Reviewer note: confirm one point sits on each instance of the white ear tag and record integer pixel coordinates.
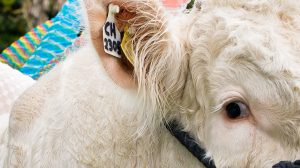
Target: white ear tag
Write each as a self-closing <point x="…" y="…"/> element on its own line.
<point x="111" y="34"/>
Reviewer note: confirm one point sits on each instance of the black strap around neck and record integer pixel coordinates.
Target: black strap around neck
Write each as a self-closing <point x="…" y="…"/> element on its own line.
<point x="186" y="140"/>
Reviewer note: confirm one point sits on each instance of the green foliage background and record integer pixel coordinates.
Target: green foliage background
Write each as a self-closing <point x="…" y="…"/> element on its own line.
<point x="12" y="23"/>
<point x="16" y="17"/>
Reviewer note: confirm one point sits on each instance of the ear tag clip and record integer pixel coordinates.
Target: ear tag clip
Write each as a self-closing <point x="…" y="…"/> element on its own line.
<point x="111" y="34"/>
<point x="126" y="45"/>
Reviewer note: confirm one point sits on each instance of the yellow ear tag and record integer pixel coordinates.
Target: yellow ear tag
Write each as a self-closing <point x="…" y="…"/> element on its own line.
<point x="126" y="45"/>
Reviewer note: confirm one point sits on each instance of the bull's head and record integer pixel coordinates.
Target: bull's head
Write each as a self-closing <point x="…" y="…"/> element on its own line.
<point x="228" y="73"/>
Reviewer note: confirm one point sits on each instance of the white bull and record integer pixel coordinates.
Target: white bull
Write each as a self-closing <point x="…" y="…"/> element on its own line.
<point x="228" y="73"/>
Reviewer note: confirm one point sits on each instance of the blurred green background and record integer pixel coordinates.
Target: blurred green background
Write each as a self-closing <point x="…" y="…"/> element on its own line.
<point x="19" y="16"/>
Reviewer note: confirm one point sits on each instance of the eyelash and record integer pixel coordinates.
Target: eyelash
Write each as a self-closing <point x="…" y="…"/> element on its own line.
<point x="219" y="107"/>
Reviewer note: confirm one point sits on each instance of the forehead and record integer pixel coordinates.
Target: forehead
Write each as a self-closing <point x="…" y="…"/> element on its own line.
<point x="254" y="49"/>
<point x="269" y="39"/>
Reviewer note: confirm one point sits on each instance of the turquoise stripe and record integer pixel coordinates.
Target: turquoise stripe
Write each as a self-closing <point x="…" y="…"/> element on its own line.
<point x="66" y="37"/>
<point x="43" y="56"/>
<point x="66" y="26"/>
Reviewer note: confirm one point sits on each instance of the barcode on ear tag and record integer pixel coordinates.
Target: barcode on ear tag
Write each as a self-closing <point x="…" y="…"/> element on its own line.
<point x="111" y="34"/>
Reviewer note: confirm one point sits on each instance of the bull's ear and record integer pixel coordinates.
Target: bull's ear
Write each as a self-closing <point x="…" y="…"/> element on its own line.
<point x="95" y="19"/>
<point x="154" y="45"/>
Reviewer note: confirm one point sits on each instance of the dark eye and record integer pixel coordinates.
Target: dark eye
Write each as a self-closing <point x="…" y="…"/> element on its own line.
<point x="236" y="110"/>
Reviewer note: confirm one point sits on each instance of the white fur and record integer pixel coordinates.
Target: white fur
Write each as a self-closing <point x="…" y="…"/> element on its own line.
<point x="187" y="68"/>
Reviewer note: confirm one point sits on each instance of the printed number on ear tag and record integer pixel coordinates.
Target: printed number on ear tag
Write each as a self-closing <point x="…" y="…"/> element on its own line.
<point x="111" y="34"/>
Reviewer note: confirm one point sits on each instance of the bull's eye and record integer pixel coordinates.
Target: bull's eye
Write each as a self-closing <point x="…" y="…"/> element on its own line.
<point x="236" y="110"/>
